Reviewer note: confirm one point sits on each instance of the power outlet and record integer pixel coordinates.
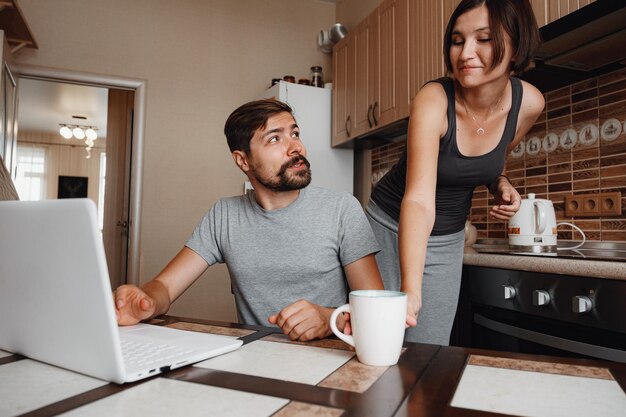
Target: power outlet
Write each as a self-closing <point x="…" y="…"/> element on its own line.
<point x="593" y="205"/>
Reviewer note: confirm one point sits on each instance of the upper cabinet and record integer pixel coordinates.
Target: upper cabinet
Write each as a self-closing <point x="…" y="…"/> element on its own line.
<point x="547" y="11"/>
<point x="16" y="30"/>
<point x="374" y="60"/>
<point x="382" y="63"/>
<point x="427" y="20"/>
<point x="343" y="91"/>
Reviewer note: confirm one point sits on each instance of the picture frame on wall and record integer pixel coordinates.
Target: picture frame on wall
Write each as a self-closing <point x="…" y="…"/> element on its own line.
<point x="72" y="187"/>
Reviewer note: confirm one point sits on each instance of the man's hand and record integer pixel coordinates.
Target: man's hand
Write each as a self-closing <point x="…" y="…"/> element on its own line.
<point x="132" y="305"/>
<point x="304" y="321"/>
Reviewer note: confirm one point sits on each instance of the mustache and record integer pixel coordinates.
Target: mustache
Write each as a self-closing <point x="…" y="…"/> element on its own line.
<point x="296" y="159"/>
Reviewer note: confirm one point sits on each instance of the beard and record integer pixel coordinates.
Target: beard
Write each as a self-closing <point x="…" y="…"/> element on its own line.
<point x="284" y="181"/>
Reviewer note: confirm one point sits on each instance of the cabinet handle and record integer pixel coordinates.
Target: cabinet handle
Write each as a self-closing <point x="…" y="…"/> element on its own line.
<point x="348" y="125"/>
<point x="369" y="115"/>
<point x="374" y="113"/>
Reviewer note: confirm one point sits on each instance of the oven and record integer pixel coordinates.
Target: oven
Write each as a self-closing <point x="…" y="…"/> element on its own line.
<point x="540" y="313"/>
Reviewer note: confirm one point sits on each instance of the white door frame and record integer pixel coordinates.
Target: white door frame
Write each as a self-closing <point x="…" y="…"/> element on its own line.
<point x="136" y="174"/>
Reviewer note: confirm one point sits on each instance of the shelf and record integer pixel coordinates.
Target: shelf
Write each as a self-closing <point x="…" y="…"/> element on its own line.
<point x="16" y="30"/>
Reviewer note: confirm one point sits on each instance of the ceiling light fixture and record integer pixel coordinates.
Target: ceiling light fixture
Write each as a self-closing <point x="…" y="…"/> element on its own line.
<point x="80" y="132"/>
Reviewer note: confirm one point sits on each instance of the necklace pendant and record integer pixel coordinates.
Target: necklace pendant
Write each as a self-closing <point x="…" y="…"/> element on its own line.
<point x="480" y="131"/>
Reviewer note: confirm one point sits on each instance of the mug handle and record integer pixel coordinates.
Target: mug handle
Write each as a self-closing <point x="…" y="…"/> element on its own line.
<point x="333" y="324"/>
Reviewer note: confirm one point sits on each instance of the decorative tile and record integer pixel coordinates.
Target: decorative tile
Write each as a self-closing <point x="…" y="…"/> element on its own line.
<point x="27" y="385"/>
<point x="535" y="389"/>
<point x="536" y="366"/>
<point x="284" y="361"/>
<point x="206" y="328"/>
<point x="298" y="409"/>
<point x="353" y="376"/>
<point x="321" y="343"/>
<point x="163" y="397"/>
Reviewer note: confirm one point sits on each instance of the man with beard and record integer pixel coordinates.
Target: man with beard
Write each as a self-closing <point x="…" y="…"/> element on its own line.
<point x="293" y="250"/>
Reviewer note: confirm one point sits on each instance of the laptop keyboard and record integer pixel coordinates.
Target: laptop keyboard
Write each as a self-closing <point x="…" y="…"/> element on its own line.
<point x="138" y="354"/>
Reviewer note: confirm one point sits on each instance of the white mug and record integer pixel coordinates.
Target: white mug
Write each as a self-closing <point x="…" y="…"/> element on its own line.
<point x="378" y="320"/>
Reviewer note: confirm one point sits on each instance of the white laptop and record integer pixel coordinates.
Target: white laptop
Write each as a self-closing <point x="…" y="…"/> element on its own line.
<point x="56" y="303"/>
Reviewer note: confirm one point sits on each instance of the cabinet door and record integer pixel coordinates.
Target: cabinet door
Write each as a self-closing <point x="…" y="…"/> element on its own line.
<point x="426" y="30"/>
<point x="343" y="91"/>
<point x="366" y="73"/>
<point x="391" y="103"/>
<point x="558" y="8"/>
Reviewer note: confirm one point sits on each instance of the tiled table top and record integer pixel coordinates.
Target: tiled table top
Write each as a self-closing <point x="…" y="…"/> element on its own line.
<point x="273" y="376"/>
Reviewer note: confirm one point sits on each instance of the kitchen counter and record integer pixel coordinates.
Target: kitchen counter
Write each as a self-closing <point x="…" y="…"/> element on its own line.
<point x="273" y="376"/>
<point x="492" y="255"/>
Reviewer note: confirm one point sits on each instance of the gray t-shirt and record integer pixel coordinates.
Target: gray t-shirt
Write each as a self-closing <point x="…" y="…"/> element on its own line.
<point x="276" y="257"/>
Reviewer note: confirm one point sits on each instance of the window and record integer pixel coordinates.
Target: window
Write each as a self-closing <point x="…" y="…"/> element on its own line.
<point x="31" y="168"/>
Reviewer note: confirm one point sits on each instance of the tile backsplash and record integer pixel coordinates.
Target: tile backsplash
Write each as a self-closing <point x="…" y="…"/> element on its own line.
<point x="577" y="146"/>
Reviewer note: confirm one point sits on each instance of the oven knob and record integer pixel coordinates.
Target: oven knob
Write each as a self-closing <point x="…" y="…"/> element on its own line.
<point x="541" y="298"/>
<point x="509" y="292"/>
<point x="581" y="304"/>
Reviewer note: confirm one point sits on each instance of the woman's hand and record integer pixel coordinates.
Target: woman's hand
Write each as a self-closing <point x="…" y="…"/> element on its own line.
<point x="413" y="307"/>
<point x="507" y="199"/>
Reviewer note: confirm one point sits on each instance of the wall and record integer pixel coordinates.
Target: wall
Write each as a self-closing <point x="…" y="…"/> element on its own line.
<point x="583" y="169"/>
<point x="351" y="12"/>
<point x="201" y="59"/>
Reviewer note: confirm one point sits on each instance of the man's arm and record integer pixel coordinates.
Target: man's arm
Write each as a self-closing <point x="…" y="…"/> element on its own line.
<point x="134" y="304"/>
<point x="304" y="320"/>
<point x="363" y="274"/>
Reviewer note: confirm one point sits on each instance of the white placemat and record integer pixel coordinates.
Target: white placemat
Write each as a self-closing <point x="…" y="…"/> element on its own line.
<point x="27" y="385"/>
<point x="4" y="354"/>
<point x="537" y="394"/>
<point x="164" y="397"/>
<point x="286" y="361"/>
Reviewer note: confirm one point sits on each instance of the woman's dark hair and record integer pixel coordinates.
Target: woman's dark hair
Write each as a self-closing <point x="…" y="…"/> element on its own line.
<point x="247" y="119"/>
<point x="513" y="17"/>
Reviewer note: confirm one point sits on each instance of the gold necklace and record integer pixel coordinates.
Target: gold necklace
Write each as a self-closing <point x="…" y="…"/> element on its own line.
<point x="481" y="130"/>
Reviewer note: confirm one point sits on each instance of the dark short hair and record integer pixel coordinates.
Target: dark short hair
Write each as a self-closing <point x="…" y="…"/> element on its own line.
<point x="513" y="17"/>
<point x="248" y="118"/>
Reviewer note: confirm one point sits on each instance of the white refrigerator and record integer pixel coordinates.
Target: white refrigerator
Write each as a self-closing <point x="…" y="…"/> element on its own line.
<point x="330" y="167"/>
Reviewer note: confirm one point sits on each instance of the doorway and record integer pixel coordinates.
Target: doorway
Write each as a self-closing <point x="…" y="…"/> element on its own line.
<point x="119" y="162"/>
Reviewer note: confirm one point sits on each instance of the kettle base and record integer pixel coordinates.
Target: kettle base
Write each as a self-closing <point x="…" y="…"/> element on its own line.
<point x="533" y="248"/>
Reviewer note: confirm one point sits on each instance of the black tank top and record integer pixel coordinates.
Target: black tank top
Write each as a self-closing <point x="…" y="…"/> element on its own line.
<point x="457" y="175"/>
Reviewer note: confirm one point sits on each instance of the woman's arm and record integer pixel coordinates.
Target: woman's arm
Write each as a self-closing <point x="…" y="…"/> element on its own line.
<point x="427" y="124"/>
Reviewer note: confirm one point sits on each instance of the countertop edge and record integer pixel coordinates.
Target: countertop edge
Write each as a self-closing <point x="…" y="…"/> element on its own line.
<point x="577" y="267"/>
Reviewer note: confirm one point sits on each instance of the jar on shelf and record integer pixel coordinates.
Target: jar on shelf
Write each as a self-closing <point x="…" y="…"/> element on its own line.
<point x="317" y="77"/>
<point x="289" y="78"/>
<point x="304" y="81"/>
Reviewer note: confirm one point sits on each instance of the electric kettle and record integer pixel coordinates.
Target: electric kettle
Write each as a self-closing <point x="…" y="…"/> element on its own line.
<point x="533" y="227"/>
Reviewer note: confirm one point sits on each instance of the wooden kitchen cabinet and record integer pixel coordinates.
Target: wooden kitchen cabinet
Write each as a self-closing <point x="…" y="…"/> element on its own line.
<point x="380" y="66"/>
<point x="343" y="91"/>
<point x="366" y="73"/>
<point x="392" y="101"/>
<point x="370" y="68"/>
<point x="381" y="48"/>
<point x="547" y="11"/>
<point x="427" y="21"/>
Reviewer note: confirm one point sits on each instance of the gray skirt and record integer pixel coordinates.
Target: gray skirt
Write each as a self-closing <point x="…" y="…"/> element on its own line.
<point x="441" y="282"/>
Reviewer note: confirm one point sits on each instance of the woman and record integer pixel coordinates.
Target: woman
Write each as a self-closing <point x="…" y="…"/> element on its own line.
<point x="461" y="129"/>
